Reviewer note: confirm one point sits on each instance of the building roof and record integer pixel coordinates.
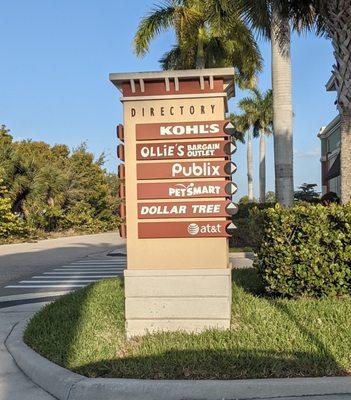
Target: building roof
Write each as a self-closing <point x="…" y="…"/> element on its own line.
<point x="326" y="131"/>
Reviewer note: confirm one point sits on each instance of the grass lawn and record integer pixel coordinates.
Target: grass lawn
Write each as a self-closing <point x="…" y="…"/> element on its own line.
<point x="84" y="331"/>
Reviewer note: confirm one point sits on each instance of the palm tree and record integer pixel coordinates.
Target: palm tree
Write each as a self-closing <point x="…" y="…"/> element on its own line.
<point x="260" y="106"/>
<point x="207" y="34"/>
<point x="243" y="125"/>
<point x="333" y="18"/>
<point x="270" y="18"/>
<point x="257" y="116"/>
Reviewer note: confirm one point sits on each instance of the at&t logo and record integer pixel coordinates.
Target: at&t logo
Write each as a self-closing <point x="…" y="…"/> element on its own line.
<point x="193" y="229"/>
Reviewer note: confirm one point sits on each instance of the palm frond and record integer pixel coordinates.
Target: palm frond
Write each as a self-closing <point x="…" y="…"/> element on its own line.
<point x="159" y="19"/>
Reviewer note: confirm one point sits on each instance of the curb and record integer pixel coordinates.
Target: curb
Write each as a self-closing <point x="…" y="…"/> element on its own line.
<point x="66" y="385"/>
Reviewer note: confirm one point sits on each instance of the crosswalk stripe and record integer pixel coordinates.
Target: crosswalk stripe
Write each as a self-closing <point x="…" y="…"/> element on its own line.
<point x="77" y="276"/>
<point x="88" y="264"/>
<point x="77" y="272"/>
<point x="88" y="270"/>
<point x="92" y="266"/>
<point x="42" y="286"/>
<point x="62" y="281"/>
<point x="100" y="262"/>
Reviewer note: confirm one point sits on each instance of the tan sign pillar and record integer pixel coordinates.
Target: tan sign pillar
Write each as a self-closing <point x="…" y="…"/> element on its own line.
<point x="177" y="168"/>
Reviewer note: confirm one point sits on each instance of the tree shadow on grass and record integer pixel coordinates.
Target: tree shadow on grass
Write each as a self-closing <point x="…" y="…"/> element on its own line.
<point x="215" y="364"/>
<point x="213" y="355"/>
<point x="249" y="280"/>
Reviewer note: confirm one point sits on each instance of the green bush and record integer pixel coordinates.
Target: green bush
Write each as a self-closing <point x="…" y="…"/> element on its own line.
<point x="306" y="250"/>
<point x="10" y="224"/>
<point x="249" y="223"/>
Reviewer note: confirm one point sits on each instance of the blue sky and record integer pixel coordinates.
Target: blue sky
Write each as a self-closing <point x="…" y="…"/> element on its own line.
<point x="55" y="61"/>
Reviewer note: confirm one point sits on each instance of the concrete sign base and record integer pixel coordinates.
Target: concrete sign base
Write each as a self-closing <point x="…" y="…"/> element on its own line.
<point x="181" y="299"/>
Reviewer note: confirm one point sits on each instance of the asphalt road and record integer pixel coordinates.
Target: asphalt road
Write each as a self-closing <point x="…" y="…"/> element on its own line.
<point x="20" y="262"/>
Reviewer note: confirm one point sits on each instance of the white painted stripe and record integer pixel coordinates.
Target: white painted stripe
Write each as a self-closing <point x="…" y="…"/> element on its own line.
<point x="69" y="276"/>
<point x="76" y="276"/>
<point x="28" y="296"/>
<point x="89" y="270"/>
<point x="62" y="281"/>
<point x="77" y="272"/>
<point x="99" y="262"/>
<point x="93" y="266"/>
<point x="94" y="261"/>
<point x="42" y="286"/>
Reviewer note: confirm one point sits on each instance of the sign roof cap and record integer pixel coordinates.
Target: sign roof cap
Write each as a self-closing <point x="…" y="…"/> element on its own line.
<point x="227" y="74"/>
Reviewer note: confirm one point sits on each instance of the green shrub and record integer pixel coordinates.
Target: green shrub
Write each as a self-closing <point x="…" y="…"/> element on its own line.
<point x="81" y="217"/>
<point x="10" y="224"/>
<point x="306" y="250"/>
<point x="249" y="223"/>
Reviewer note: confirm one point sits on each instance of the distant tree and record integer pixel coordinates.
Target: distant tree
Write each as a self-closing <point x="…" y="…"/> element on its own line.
<point x="330" y="197"/>
<point x="51" y="187"/>
<point x="245" y="200"/>
<point x="10" y="224"/>
<point x="5" y="132"/>
<point x="270" y="197"/>
<point x="307" y="193"/>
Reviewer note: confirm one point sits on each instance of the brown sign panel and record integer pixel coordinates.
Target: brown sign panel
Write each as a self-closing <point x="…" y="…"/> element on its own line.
<point x="122" y="231"/>
<point x="120" y="132"/>
<point x="199" y="149"/>
<point x="181" y="130"/>
<point x="121" y="171"/>
<point x="186" y="190"/>
<point x="120" y="152"/>
<point x="122" y="191"/>
<point x="204" y="209"/>
<point x="122" y="210"/>
<point x="186" y="229"/>
<point x="176" y="170"/>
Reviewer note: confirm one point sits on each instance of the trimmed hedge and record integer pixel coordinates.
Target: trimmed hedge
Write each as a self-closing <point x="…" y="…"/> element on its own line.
<point x="306" y="250"/>
<point x="249" y="223"/>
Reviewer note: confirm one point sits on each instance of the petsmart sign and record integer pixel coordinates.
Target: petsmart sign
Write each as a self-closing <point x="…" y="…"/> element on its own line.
<point x="186" y="189"/>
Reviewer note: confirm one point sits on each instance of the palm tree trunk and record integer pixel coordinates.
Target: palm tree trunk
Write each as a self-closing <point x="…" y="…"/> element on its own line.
<point x="200" y="56"/>
<point x="339" y="29"/>
<point x="249" y="168"/>
<point x="262" y="167"/>
<point x="282" y="110"/>
<point x="345" y="158"/>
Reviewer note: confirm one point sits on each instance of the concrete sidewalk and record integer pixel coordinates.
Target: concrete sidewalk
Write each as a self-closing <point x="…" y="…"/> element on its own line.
<point x="14" y="385"/>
